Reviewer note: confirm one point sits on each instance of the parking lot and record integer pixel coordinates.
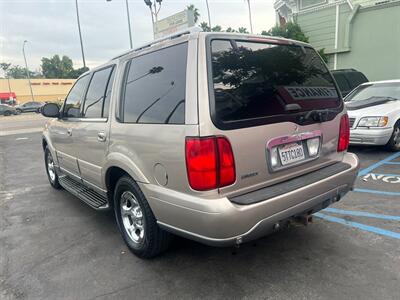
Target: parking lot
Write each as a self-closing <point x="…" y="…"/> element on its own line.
<point x="54" y="246"/>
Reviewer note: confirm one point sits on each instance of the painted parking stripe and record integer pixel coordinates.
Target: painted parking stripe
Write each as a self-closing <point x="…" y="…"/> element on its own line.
<point x="360" y="226"/>
<point x="361" y="214"/>
<point x="378" y="164"/>
<point x="377" y="192"/>
<point x="392" y="163"/>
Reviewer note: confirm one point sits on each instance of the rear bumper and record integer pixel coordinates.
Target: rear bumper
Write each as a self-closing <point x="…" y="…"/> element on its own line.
<point x="220" y="222"/>
<point x="370" y="136"/>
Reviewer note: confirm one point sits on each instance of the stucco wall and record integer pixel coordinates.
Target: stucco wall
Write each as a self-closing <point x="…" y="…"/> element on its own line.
<point x="43" y="89"/>
<point x="375" y="43"/>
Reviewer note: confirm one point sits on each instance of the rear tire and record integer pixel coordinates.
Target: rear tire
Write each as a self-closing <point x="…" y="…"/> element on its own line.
<point x="394" y="142"/>
<point x="50" y="169"/>
<point x="19" y="111"/>
<point x="136" y="221"/>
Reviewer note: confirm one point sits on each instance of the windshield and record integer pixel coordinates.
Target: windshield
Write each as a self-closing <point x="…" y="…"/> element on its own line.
<point x="385" y="91"/>
<point x="255" y="83"/>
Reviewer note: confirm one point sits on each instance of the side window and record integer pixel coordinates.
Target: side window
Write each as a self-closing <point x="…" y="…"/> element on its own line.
<point x="72" y="105"/>
<point x="155" y="87"/>
<point x="106" y="105"/>
<point x="342" y="82"/>
<point x="95" y="95"/>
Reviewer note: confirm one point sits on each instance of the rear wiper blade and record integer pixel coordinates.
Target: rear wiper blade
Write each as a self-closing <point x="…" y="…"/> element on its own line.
<point x="317" y="115"/>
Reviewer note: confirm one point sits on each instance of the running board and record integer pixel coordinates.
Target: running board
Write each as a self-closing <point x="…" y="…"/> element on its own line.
<point x="86" y="194"/>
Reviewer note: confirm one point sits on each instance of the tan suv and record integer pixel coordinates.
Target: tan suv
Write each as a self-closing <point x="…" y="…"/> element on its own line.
<point x="220" y="138"/>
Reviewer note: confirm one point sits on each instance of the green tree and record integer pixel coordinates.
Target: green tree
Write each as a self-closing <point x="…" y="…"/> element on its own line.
<point x="290" y="30"/>
<point x="242" y="30"/>
<point x="293" y="31"/>
<point x="5" y="66"/>
<point x="195" y="12"/>
<point x="216" y="28"/>
<point x="205" y="27"/>
<point x="230" y="29"/>
<point x="54" y="67"/>
<point x="18" y="72"/>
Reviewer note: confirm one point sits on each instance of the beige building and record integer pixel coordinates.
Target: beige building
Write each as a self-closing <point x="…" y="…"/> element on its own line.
<point x="43" y="89"/>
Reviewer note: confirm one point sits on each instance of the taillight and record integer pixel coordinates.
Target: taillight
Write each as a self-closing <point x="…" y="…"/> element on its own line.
<point x="210" y="163"/>
<point x="344" y="133"/>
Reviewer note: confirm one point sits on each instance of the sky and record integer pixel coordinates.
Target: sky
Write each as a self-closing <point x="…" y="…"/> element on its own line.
<point x="50" y="26"/>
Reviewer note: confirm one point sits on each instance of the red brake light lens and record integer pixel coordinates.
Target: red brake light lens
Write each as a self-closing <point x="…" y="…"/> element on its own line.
<point x="344" y="134"/>
<point x="227" y="174"/>
<point x="201" y="163"/>
<point x="210" y="163"/>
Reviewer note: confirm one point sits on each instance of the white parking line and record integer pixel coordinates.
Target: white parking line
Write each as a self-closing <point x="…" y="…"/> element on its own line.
<point x="21" y="131"/>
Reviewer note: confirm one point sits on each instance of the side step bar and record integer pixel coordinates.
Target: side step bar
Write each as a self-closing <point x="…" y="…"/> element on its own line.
<point x="87" y="195"/>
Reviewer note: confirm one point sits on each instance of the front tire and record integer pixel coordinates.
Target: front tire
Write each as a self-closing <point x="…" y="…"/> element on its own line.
<point x="7" y="113"/>
<point x="136" y="221"/>
<point x="394" y="142"/>
<point x="51" y="170"/>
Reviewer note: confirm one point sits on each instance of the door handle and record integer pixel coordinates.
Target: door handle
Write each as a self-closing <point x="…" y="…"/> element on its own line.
<point x="69" y="131"/>
<point x="101" y="136"/>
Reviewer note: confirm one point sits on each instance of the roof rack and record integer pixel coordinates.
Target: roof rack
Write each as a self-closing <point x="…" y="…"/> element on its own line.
<point x="165" y="38"/>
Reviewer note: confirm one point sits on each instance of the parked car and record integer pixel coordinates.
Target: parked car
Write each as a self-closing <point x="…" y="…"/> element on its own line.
<point x="7" y="110"/>
<point x="374" y="112"/>
<point x="348" y="79"/>
<point x="221" y="138"/>
<point x="29" y="107"/>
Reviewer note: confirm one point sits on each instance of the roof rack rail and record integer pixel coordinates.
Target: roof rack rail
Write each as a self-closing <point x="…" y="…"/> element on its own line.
<point x="165" y="38"/>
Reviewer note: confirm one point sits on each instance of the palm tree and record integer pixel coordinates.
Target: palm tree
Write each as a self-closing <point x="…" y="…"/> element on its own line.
<point x="195" y="12"/>
<point x="205" y="26"/>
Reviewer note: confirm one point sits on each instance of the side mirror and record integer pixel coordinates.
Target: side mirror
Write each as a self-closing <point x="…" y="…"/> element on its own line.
<point x="50" y="110"/>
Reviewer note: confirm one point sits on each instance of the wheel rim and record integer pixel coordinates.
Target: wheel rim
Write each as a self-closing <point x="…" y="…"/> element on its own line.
<point x="132" y="217"/>
<point x="396" y="137"/>
<point x="50" y="167"/>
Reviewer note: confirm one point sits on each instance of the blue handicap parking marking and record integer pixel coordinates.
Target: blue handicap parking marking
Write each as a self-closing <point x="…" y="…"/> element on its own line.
<point x="360" y="226"/>
<point x="361" y="214"/>
<point x="378" y="164"/>
<point x="390" y="175"/>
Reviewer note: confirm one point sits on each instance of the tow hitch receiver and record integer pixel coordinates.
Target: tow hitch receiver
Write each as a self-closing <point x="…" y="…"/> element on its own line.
<point x="303" y="219"/>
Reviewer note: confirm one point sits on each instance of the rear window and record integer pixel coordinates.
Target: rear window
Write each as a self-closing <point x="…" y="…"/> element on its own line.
<point x="342" y="82"/>
<point x="356" y="78"/>
<point x="257" y="83"/>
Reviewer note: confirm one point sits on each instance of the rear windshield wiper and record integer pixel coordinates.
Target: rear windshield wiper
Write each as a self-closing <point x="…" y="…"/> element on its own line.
<point x="317" y="115"/>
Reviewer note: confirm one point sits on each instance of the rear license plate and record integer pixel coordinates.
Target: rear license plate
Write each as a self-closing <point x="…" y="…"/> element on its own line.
<point x="291" y="153"/>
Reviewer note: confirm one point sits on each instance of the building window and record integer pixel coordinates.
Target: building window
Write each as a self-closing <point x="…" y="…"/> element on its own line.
<point x="304" y="4"/>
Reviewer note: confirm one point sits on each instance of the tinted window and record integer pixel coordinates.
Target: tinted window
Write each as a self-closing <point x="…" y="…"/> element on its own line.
<point x="356" y="78"/>
<point x="96" y="93"/>
<point x="155" y="87"/>
<point x="342" y="82"/>
<point x="72" y="105"/>
<point x="260" y="83"/>
<point x="106" y="104"/>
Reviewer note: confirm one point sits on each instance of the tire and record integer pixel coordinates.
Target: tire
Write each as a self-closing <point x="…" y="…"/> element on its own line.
<point x="137" y="225"/>
<point x="50" y="169"/>
<point x="19" y="111"/>
<point x="7" y="113"/>
<point x="394" y="142"/>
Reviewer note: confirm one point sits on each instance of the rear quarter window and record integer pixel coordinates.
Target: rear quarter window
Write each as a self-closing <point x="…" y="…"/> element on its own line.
<point x="155" y="86"/>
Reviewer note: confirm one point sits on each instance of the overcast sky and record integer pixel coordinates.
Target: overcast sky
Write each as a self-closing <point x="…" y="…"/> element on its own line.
<point x="50" y="26"/>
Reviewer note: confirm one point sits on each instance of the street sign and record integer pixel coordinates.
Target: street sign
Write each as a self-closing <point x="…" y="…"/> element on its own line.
<point x="174" y="23"/>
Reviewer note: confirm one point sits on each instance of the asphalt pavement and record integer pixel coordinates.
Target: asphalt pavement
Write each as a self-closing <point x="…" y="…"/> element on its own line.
<point x="53" y="246"/>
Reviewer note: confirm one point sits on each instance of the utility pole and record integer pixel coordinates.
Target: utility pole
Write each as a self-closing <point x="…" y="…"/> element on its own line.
<point x="129" y="22"/>
<point x="251" y="22"/>
<point x="208" y="12"/>
<point x="27" y="70"/>
<point x="80" y="33"/>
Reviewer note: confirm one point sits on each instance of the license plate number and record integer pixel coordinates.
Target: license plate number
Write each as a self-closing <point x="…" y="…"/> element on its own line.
<point x="291" y="153"/>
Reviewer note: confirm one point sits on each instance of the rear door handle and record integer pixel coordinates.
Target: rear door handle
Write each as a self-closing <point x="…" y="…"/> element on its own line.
<point x="69" y="131"/>
<point x="101" y="136"/>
